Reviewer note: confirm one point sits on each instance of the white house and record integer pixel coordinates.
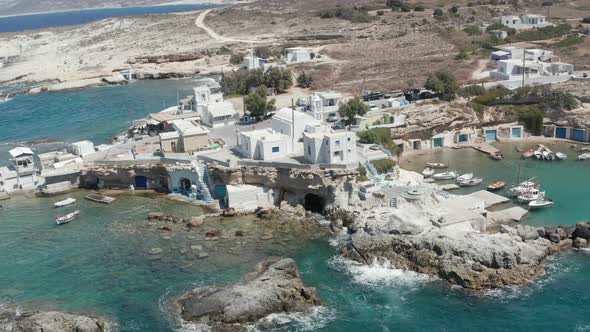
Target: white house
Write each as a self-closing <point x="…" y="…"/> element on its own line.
<point x="528" y="21"/>
<point x="219" y="114"/>
<point x="264" y="144"/>
<point x="513" y="69"/>
<point x="292" y="123"/>
<point x="21" y="174"/>
<point x="253" y="62"/>
<point x="82" y="148"/>
<point x="330" y="147"/>
<point x="324" y="105"/>
<point x="297" y="55"/>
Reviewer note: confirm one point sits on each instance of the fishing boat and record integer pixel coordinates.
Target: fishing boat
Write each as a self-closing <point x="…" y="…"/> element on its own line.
<point x="67" y="218"/>
<point x="560" y="155"/>
<point x="496" y="186"/>
<point x="584" y="156"/>
<point x="540" y="203"/>
<point x="465" y="177"/>
<point x="65" y="202"/>
<point x="522" y="187"/>
<point x="428" y="172"/>
<point x="437" y="165"/>
<point x="470" y="182"/>
<point x="538" y="155"/>
<point x="531" y="195"/>
<point x="497" y="156"/>
<point x="528" y="154"/>
<point x="449" y="175"/>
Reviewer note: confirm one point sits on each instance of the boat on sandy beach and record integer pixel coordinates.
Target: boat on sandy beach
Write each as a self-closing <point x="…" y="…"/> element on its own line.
<point x="496" y="186"/>
<point x="428" y="172"/>
<point x="470" y="182"/>
<point x="560" y="155"/>
<point x="449" y="175"/>
<point x="540" y="203"/>
<point x="65" y="202"/>
<point x="437" y="165"/>
<point x="60" y="220"/>
<point x="497" y="156"/>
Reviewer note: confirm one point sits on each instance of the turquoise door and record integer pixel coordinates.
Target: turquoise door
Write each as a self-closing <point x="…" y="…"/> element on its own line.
<point x="517" y="132"/>
<point x="437" y="142"/>
<point x="491" y="135"/>
<point x="463" y="138"/>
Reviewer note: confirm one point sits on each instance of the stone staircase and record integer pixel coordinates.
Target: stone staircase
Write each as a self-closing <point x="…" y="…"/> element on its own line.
<point x="202" y="172"/>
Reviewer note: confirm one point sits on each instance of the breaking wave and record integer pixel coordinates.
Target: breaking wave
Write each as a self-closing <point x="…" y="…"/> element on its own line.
<point x="379" y="273"/>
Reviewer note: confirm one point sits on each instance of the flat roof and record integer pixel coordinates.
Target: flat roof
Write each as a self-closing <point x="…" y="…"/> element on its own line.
<point x="187" y="127"/>
<point x="221" y="109"/>
<point x="169" y="135"/>
<point x="17" y="152"/>
<point x="288" y="114"/>
<point x="500" y="53"/>
<point x="266" y="135"/>
<point x="165" y="117"/>
<point x="329" y="94"/>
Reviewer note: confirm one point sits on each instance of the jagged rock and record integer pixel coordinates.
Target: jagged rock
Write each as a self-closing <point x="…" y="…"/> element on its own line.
<point x="274" y="287"/>
<point x="554" y="237"/>
<point x="52" y="321"/>
<point x="580" y="243"/>
<point x="569" y="230"/>
<point x="541" y="232"/>
<point x="562" y="233"/>
<point x="582" y="231"/>
<point x="530" y="235"/>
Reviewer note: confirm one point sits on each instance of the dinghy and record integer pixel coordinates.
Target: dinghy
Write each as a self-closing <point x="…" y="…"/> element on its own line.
<point x="496" y="186"/>
<point x="540" y="203"/>
<point x="528" y="154"/>
<point x="561" y="156"/>
<point x="428" y="172"/>
<point x="445" y="175"/>
<point x="60" y="220"/>
<point x="470" y="182"/>
<point x="584" y="156"/>
<point x="65" y="202"/>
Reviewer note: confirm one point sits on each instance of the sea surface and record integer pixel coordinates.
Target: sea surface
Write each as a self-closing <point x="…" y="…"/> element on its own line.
<point x="58" y="19"/>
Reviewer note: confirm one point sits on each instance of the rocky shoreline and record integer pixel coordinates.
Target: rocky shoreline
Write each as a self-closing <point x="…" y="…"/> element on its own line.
<point x="52" y="321"/>
<point x="273" y="287"/>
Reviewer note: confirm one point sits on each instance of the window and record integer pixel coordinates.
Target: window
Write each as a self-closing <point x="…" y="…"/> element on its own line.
<point x="275" y="149"/>
<point x="336" y="154"/>
<point x="309" y="150"/>
<point x="327" y="143"/>
<point x="337" y="142"/>
<point x="349" y="139"/>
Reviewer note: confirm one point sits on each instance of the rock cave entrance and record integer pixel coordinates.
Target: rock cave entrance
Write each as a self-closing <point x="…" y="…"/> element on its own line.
<point x="314" y="203"/>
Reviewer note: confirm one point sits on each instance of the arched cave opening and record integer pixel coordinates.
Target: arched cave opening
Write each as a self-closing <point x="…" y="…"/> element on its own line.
<point x="314" y="203"/>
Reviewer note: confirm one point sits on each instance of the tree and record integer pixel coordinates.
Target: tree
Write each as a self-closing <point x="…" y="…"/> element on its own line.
<point x="558" y="101"/>
<point x="236" y="58"/>
<point x="257" y="104"/>
<point x="454" y="10"/>
<point x="438" y="12"/>
<point x="278" y="78"/>
<point x="419" y="8"/>
<point x="304" y="80"/>
<point x="444" y="83"/>
<point x="351" y="108"/>
<point x="586" y="20"/>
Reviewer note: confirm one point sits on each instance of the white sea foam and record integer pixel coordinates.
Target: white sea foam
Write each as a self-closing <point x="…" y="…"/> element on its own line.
<point x="379" y="273"/>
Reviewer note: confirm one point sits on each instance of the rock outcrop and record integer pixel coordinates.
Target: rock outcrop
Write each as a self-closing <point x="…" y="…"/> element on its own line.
<point x="52" y="321"/>
<point x="273" y="287"/>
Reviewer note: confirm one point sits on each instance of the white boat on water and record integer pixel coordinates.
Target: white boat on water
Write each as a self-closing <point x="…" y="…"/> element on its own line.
<point x="470" y="183"/>
<point x="560" y="155"/>
<point x="465" y="177"/>
<point x="449" y="175"/>
<point x="538" y="155"/>
<point x="584" y="156"/>
<point x="65" y="202"/>
<point x="60" y="220"/>
<point x="548" y="155"/>
<point x="540" y="203"/>
<point x="531" y="195"/>
<point x="522" y="187"/>
<point x="437" y="165"/>
<point x="428" y="172"/>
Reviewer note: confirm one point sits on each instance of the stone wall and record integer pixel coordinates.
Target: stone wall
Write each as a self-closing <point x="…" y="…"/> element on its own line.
<point x="122" y="177"/>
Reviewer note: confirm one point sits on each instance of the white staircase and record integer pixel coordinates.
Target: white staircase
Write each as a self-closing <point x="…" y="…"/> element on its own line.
<point x="201" y="171"/>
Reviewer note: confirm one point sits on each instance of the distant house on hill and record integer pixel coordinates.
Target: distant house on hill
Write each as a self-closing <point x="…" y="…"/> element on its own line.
<point x="524" y="22"/>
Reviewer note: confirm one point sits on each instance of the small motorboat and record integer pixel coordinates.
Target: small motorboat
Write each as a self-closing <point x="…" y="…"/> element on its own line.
<point x="60" y="220"/>
<point x="445" y="175"/>
<point x="470" y="182"/>
<point x="497" y="156"/>
<point x="65" y="202"/>
<point x="548" y="155"/>
<point x="538" y="155"/>
<point x="522" y="187"/>
<point x="584" y="156"/>
<point x="530" y="196"/>
<point x="496" y="186"/>
<point x="437" y="165"/>
<point x="428" y="172"/>
<point x="528" y="154"/>
<point x="465" y="177"/>
<point x="540" y="203"/>
<point x="560" y="155"/>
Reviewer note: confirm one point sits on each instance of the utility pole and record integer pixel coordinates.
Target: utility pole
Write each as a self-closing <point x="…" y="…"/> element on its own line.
<point x="523" y="65"/>
<point x="292" y="125"/>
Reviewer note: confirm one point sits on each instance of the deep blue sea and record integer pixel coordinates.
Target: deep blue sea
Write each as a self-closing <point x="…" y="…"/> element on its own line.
<point x="41" y="21"/>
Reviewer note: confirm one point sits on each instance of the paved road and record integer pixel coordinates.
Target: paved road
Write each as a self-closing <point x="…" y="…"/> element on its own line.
<point x="200" y="23"/>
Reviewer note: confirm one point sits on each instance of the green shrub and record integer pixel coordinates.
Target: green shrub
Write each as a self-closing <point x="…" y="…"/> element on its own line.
<point x="472" y="91"/>
<point x="569" y="41"/>
<point x="438" y="12"/>
<point x="542" y="33"/>
<point x="236" y="58"/>
<point x="586" y="20"/>
<point x="558" y="101"/>
<point x="472" y="30"/>
<point x="384" y="165"/>
<point x="362" y="177"/>
<point x="419" y="8"/>
<point x="532" y="118"/>
<point x="381" y="136"/>
<point x="444" y="83"/>
<point x="241" y="81"/>
<point x="462" y="56"/>
<point x="353" y="14"/>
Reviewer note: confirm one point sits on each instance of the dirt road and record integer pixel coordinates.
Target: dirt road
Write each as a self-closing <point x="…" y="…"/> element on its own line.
<point x="200" y="23"/>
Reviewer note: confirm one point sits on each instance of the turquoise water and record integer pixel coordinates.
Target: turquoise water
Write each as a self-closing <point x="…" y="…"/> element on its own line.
<point x="566" y="182"/>
<point x="41" y="21"/>
<point x="96" y="114"/>
<point x="99" y="264"/>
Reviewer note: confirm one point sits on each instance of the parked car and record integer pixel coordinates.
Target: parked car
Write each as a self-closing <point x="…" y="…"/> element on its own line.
<point x="332" y="117"/>
<point x="339" y="125"/>
<point x="374" y="95"/>
<point x="301" y="102"/>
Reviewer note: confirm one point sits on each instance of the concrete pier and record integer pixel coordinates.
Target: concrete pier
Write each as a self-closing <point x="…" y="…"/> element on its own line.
<point x="489" y="198"/>
<point x="485" y="148"/>
<point x="515" y="213"/>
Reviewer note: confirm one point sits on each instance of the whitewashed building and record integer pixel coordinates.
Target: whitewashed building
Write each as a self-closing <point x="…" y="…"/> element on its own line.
<point x="292" y="123"/>
<point x="264" y="144"/>
<point x="324" y="105"/>
<point x="82" y="148"/>
<point x="219" y="114"/>
<point x="22" y="173"/>
<point x="330" y="147"/>
<point x="297" y="55"/>
<point x="524" y="22"/>
<point x="251" y="62"/>
<point x="513" y="69"/>
<point x="188" y="136"/>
